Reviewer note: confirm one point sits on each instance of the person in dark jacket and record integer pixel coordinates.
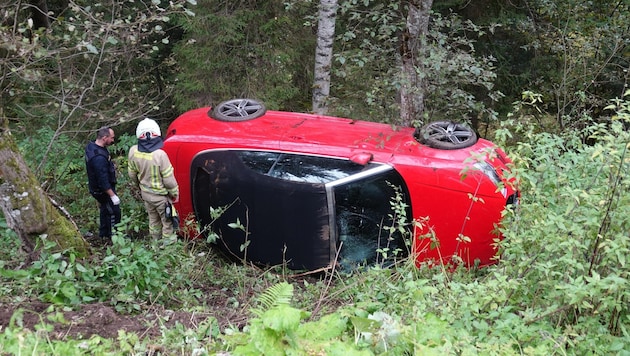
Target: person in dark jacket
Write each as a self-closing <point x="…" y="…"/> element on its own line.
<point x="102" y="180"/>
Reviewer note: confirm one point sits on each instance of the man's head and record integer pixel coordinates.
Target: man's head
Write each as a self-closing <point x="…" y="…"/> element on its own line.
<point x="148" y="129"/>
<point x="105" y="136"/>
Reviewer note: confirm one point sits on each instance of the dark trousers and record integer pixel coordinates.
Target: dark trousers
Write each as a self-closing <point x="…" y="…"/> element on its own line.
<point x="109" y="215"/>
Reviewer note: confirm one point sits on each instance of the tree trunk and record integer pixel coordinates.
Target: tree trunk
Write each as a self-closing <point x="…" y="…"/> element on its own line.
<point x="39" y="14"/>
<point x="323" y="55"/>
<point x="26" y="207"/>
<point x="412" y="86"/>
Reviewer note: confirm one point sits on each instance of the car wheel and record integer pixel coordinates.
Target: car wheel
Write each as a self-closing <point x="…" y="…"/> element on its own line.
<point x="238" y="110"/>
<point x="446" y="135"/>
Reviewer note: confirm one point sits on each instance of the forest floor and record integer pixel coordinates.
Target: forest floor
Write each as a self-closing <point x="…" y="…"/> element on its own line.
<point x="86" y="320"/>
<point x="103" y="320"/>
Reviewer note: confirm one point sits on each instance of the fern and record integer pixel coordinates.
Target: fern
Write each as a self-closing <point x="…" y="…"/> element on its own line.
<point x="276" y="295"/>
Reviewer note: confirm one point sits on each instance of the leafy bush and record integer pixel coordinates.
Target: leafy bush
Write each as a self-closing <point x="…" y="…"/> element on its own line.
<point x="138" y="273"/>
<point x="571" y="232"/>
<point x="566" y="247"/>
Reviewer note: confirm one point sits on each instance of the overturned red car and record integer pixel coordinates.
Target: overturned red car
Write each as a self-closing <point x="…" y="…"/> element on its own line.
<point x="312" y="192"/>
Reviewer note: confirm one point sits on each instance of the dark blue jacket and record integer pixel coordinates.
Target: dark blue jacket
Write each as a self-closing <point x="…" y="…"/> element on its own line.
<point x="100" y="169"/>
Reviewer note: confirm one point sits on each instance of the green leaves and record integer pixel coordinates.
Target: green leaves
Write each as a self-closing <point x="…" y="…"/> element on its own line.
<point x="570" y="234"/>
<point x="279" y="294"/>
<point x="280" y="330"/>
<point x="130" y="275"/>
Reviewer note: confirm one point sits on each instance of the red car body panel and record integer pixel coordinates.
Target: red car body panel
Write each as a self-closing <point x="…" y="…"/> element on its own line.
<point x="443" y="184"/>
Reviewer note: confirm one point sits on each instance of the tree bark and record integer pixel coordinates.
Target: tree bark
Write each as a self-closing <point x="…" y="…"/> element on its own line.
<point x="323" y="55"/>
<point x="412" y="85"/>
<point x="26" y="207"/>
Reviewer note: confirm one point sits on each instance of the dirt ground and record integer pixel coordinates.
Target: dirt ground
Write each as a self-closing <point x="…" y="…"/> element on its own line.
<point x="101" y="319"/>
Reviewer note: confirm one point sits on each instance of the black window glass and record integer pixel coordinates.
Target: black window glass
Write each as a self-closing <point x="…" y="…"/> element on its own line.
<point x="299" y="168"/>
<point x="284" y="222"/>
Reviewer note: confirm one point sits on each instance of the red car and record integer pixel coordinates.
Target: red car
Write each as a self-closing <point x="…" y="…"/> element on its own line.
<point x="310" y="191"/>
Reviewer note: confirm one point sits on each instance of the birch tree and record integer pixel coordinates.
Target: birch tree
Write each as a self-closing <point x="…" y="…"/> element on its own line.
<point x="323" y="55"/>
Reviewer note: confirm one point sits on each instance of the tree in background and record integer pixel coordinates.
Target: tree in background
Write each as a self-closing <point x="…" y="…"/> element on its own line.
<point x="95" y="64"/>
<point x="412" y="85"/>
<point x="389" y="69"/>
<point x="572" y="54"/>
<point x="479" y="58"/>
<point x="248" y="49"/>
<point x="323" y="55"/>
<point x="581" y="57"/>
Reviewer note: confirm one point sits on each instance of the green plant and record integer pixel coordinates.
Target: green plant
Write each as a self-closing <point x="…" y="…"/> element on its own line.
<point x="583" y="195"/>
<point x="138" y="273"/>
<point x="238" y="225"/>
<point x="53" y="277"/>
<point x="567" y="243"/>
<point x="131" y="273"/>
<point x="400" y="225"/>
<point x="13" y="256"/>
<point x="277" y="329"/>
<point x="15" y="340"/>
<point x="199" y="341"/>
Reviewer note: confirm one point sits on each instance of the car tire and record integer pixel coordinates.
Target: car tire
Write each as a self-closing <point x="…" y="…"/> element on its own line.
<point x="238" y="110"/>
<point x="446" y="135"/>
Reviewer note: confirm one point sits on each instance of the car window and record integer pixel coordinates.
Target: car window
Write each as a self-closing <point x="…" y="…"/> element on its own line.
<point x="366" y="222"/>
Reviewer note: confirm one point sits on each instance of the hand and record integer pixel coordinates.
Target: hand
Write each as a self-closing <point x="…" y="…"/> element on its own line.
<point x="115" y="199"/>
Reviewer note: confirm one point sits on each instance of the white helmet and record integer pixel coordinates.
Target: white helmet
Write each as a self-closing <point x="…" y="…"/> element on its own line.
<point x="148" y="126"/>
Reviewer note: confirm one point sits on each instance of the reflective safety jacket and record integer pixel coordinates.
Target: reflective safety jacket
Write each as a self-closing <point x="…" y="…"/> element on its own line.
<point x="152" y="172"/>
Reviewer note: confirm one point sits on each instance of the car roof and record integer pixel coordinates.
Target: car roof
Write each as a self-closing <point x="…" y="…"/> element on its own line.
<point x="314" y="134"/>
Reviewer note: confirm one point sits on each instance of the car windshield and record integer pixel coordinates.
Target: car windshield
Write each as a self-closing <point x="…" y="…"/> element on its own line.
<point x="299" y="168"/>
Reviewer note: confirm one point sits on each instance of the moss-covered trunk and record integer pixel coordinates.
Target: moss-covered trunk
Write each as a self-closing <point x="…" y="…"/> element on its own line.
<point x="26" y="207"/>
